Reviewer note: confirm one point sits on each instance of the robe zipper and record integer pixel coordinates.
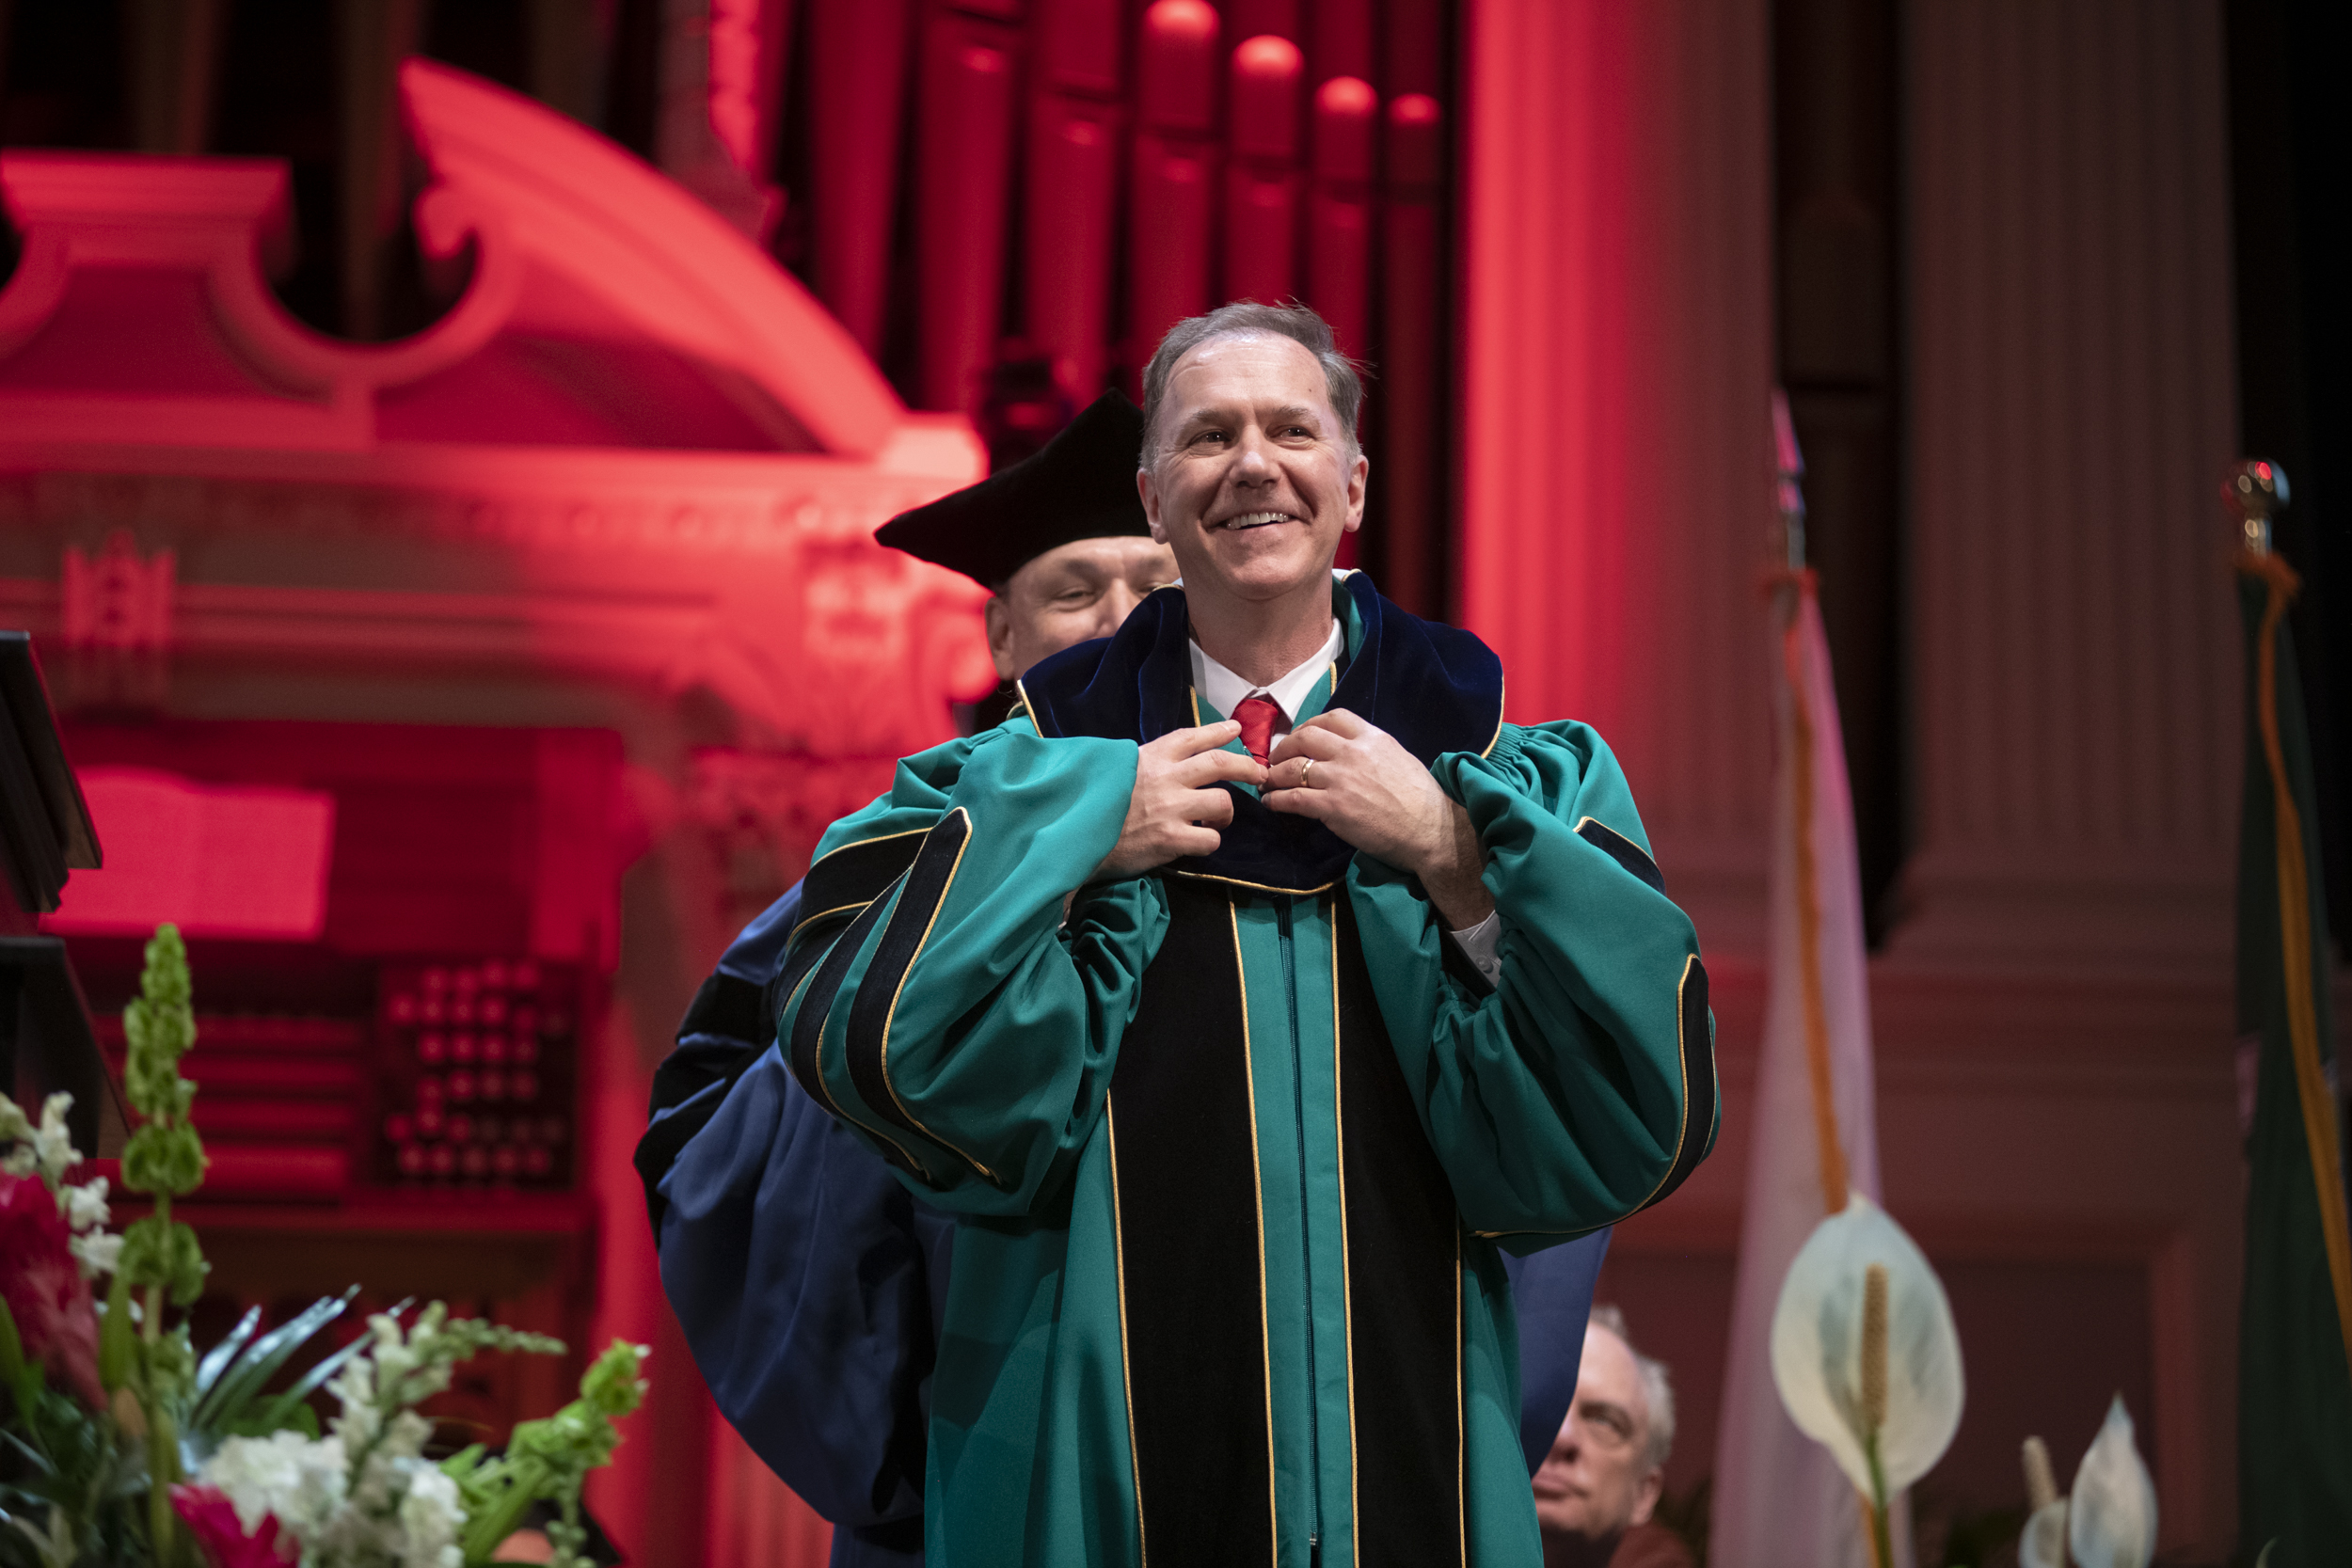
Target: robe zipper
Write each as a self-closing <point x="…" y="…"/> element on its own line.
<point x="1305" y="1238"/>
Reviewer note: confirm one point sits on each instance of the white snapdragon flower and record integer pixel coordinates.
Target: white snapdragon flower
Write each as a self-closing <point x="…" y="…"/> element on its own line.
<point x="430" y="1518"/>
<point x="46" y="1148"/>
<point x="97" y="1251"/>
<point x="85" y="1204"/>
<point x="406" y="1436"/>
<point x="53" y="1146"/>
<point x="298" y="1478"/>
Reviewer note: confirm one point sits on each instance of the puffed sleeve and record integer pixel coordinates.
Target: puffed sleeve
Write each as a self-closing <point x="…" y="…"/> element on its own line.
<point x="802" y="1276"/>
<point x="1579" y="1087"/>
<point x="966" y="1019"/>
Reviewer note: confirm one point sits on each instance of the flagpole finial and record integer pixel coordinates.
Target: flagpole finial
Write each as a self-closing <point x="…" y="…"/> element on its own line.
<point x="2257" y="490"/>
<point x="1789" y="463"/>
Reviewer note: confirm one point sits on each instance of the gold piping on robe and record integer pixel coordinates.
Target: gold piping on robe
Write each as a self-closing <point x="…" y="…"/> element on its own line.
<point x="1126" y="1379"/>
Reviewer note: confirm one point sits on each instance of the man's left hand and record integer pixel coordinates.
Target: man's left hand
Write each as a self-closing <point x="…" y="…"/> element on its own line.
<point x="1356" y="781"/>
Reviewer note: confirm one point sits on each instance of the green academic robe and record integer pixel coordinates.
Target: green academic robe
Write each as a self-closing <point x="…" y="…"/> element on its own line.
<point x="1232" y="1160"/>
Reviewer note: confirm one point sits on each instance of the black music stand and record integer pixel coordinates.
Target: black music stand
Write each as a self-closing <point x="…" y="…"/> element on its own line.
<point x="45" y="1040"/>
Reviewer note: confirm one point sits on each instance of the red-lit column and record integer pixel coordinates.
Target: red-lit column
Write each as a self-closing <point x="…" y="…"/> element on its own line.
<point x="1261" y="181"/>
<point x="1339" y="214"/>
<point x="856" y="92"/>
<point x="1615" y="372"/>
<point x="1170" y="206"/>
<point x="1413" y="374"/>
<point x="1073" y="188"/>
<point x="963" y="176"/>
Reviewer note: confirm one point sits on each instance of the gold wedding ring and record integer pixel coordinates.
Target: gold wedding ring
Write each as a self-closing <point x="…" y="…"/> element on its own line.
<point x="1304" y="771"/>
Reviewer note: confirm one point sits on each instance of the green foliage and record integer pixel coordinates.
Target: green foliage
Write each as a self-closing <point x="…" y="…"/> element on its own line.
<point x="229" y="1385"/>
<point x="11" y="1352"/>
<point x="167" y="1365"/>
<point x="72" y="1485"/>
<point x="118" y="1348"/>
<point x="163" y="1254"/>
<point x="548" y="1460"/>
<point x="400" y="1374"/>
<point x="166" y="1158"/>
<point x="163" y="1156"/>
<point x="159" y="1023"/>
<point x="80" y="1488"/>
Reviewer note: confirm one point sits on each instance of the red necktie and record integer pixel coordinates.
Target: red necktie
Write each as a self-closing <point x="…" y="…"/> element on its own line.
<point x="1257" y="717"/>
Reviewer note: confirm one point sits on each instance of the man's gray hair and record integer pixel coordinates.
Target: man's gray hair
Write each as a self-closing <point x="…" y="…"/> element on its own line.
<point x="1341" y="377"/>
<point x="1656" y="1391"/>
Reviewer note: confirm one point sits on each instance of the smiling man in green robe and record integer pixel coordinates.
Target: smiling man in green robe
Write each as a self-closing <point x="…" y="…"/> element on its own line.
<point x="1244" y="996"/>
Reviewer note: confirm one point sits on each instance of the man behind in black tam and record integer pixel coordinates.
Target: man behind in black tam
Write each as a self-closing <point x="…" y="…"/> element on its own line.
<point x="807" y="1280"/>
<point x="1059" y="538"/>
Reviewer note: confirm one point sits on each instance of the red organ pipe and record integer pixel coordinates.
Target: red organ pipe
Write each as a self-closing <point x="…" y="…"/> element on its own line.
<point x="1339" y="223"/>
<point x="1413" y="372"/>
<point x="1073" y="188"/>
<point x="1339" y="214"/>
<point x="1261" y="181"/>
<point x="857" y="82"/>
<point x="962" y="177"/>
<point x="747" y="48"/>
<point x="1338" y="41"/>
<point x="1413" y="53"/>
<point x="1246" y="19"/>
<point x="1175" y="166"/>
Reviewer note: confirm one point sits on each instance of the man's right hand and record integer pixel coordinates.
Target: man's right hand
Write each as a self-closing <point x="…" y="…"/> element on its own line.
<point x="1177" y="808"/>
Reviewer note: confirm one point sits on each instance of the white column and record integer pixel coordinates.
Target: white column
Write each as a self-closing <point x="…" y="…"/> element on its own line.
<point x="2055" y="1012"/>
<point x="2076" y="689"/>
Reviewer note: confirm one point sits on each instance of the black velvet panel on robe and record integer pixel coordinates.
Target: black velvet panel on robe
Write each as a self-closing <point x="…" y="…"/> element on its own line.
<point x="1435" y="687"/>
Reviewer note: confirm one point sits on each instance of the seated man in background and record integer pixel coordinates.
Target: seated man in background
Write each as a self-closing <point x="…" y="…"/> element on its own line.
<point x="1602" y="1481"/>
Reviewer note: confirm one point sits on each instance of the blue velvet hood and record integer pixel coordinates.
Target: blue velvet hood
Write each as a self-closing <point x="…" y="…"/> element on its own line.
<point x="1435" y="688"/>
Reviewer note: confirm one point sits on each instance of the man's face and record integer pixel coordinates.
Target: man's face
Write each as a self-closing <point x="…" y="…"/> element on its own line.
<point x="1253" y="481"/>
<point x="1072" y="594"/>
<point x="1594" y="1484"/>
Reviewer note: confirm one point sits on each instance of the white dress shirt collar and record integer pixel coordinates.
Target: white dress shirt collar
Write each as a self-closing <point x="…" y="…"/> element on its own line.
<point x="1223" y="690"/>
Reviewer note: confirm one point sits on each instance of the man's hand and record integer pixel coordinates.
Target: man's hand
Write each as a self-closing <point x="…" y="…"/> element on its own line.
<point x="1177" y="808"/>
<point x="1357" y="782"/>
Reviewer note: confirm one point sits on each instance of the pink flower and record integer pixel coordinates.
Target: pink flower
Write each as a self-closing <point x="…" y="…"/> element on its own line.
<point x="44" y="1289"/>
<point x="212" y="1518"/>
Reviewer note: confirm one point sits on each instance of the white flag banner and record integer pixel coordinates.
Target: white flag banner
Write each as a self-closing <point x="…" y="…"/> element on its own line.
<point x="1779" y="1499"/>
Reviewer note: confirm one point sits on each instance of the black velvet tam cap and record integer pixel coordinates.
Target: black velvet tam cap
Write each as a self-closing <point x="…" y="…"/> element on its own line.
<point x="1081" y="484"/>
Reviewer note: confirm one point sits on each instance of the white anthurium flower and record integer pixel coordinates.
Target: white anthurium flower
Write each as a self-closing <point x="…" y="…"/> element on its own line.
<point x="1817" y="1348"/>
<point x="2043" y="1544"/>
<point x="2112" y="1517"/>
